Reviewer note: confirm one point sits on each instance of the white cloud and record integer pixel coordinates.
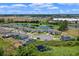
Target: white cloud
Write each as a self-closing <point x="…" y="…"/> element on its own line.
<point x="13" y="6"/>
<point x="40" y="5"/>
<point x="67" y="10"/>
<point x="14" y="10"/>
<point x="75" y="9"/>
<point x="19" y="5"/>
<point x="53" y="7"/>
<point x="37" y="9"/>
<point x="4" y="6"/>
<point x="46" y="5"/>
<point x="69" y="4"/>
<point x="61" y="11"/>
<point x="33" y="4"/>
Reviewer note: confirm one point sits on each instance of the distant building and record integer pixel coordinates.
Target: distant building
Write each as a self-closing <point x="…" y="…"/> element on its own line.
<point x="68" y="19"/>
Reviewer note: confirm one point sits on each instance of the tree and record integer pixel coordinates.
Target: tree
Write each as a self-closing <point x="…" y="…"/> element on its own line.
<point x="76" y="22"/>
<point x="10" y="20"/>
<point x="2" y="20"/>
<point x="78" y="38"/>
<point x="63" y="25"/>
<point x="28" y="50"/>
<point x="1" y="52"/>
<point x="21" y="51"/>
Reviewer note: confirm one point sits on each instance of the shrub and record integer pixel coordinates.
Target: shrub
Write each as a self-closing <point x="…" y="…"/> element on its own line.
<point x="26" y="50"/>
<point x="70" y="43"/>
<point x="1" y="52"/>
<point x="77" y="54"/>
<point x="78" y="38"/>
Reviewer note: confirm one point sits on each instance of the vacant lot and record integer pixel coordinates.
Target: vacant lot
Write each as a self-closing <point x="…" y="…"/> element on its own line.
<point x="73" y="32"/>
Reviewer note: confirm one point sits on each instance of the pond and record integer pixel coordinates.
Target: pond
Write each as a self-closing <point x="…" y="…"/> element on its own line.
<point x="41" y="48"/>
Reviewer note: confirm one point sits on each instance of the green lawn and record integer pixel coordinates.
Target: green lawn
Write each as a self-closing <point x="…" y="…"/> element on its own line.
<point x="62" y="48"/>
<point x="59" y="48"/>
<point x="6" y="44"/>
<point x="60" y="51"/>
<point x="65" y="51"/>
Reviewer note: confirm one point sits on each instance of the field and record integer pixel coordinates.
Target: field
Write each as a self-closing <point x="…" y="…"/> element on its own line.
<point x="57" y="48"/>
<point x="5" y="43"/>
<point x="66" y="51"/>
<point x="8" y="45"/>
<point x="72" y="32"/>
<point x="61" y="51"/>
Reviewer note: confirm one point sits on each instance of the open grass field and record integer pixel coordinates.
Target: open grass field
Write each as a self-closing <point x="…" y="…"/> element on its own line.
<point x="62" y="48"/>
<point x="73" y="32"/>
<point x="4" y="43"/>
<point x="58" y="48"/>
<point x="61" y="51"/>
<point x="8" y="46"/>
<point x="65" y="51"/>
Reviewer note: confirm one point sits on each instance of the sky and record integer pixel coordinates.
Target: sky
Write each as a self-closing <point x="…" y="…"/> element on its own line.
<point x="39" y="8"/>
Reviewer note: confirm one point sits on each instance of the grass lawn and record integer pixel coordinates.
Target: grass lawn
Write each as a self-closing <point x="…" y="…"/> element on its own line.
<point x="54" y="50"/>
<point x="4" y="43"/>
<point x="59" y="48"/>
<point x="56" y="37"/>
<point x="73" y="32"/>
<point x="65" y="51"/>
<point x="7" y="45"/>
<point x="61" y="51"/>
